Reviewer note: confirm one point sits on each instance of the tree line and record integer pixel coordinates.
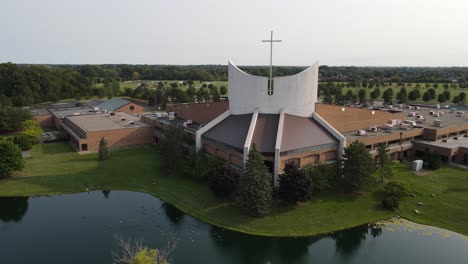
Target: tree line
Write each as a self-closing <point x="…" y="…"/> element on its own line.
<point x="22" y="85"/>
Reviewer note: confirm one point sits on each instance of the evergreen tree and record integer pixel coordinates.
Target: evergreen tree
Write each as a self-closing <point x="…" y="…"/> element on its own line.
<point x="103" y="151"/>
<point x="172" y="149"/>
<point x="358" y="166"/>
<point x="383" y="162"/>
<point x="255" y="190"/>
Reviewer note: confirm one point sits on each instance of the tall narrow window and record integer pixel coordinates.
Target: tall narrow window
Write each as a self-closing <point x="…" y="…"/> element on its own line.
<point x="270" y="88"/>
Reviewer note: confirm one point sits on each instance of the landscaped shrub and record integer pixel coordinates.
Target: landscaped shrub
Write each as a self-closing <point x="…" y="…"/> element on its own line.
<point x="294" y="185"/>
<point x="396" y="189"/>
<point x="23" y="141"/>
<point x="31" y="129"/>
<point x="433" y="158"/>
<point x="10" y="158"/>
<point x="198" y="165"/>
<point x="324" y="176"/>
<point x="225" y="182"/>
<point x="390" y="203"/>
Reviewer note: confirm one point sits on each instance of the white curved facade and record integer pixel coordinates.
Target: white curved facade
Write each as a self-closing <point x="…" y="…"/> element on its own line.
<point x="295" y="94"/>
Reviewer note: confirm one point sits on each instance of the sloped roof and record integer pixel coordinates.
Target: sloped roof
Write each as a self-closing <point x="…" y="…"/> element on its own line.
<point x="232" y="131"/>
<point x="266" y="129"/>
<point x="113" y="104"/>
<point x="303" y="132"/>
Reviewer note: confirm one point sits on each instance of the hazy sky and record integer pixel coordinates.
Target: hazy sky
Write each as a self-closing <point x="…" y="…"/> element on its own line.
<point x="335" y="32"/>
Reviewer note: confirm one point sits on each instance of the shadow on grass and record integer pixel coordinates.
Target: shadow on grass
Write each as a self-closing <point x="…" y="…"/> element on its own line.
<point x="56" y="148"/>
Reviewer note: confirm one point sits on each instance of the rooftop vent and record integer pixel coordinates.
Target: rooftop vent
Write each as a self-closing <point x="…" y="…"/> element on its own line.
<point x="112" y="114"/>
<point x="123" y="119"/>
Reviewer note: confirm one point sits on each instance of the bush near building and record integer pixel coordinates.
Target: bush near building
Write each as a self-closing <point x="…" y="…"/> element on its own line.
<point x="433" y="158"/>
<point x="32" y="130"/>
<point x="324" y="176"/>
<point x="225" y="182"/>
<point x="23" y="141"/>
<point x="294" y="185"/>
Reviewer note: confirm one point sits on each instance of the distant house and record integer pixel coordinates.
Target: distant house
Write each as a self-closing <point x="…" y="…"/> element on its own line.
<point x="120" y="105"/>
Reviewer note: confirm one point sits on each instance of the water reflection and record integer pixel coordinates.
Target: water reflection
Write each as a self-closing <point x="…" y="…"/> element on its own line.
<point x="12" y="209"/>
<point x="106" y="193"/>
<point x="255" y="249"/>
<point x="173" y="213"/>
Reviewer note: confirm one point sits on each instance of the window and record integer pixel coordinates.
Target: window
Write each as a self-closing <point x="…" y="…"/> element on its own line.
<point x="270" y="91"/>
<point x="132" y="108"/>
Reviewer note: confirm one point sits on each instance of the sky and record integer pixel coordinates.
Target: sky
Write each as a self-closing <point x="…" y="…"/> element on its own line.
<point x="334" y="32"/>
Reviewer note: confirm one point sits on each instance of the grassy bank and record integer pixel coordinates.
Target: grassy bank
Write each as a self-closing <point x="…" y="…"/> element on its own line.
<point x="56" y="168"/>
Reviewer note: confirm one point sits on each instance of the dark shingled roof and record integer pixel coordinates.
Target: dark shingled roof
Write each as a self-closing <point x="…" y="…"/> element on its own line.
<point x="303" y="132"/>
<point x="232" y="131"/>
<point x="265" y="132"/>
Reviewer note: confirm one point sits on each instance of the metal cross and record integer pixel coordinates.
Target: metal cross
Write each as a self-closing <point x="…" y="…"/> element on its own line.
<point x="271" y="40"/>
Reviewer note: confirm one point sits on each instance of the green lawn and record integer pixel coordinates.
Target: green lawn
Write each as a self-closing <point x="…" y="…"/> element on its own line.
<point x="56" y="168"/>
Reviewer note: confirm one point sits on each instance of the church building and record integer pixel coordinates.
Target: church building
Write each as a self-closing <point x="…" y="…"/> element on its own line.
<point x="280" y="119"/>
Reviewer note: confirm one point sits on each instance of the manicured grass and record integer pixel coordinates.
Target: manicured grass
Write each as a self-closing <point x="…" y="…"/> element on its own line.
<point x="56" y="168"/>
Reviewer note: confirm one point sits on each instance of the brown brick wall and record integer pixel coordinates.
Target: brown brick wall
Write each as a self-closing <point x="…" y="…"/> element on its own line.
<point x="353" y="119"/>
<point x="119" y="138"/>
<point x="309" y="157"/>
<point x="127" y="108"/>
<point x="228" y="155"/>
<point x="200" y="113"/>
<point x="45" y="121"/>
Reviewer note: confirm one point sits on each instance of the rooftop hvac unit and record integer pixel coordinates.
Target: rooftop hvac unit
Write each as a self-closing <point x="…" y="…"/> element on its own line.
<point x="123" y="119"/>
<point x="417" y="107"/>
<point x="76" y="113"/>
<point x="441" y="112"/>
<point x="171" y="113"/>
<point x="436" y="114"/>
<point x="159" y="115"/>
<point x="131" y="123"/>
<point x="361" y="132"/>
<point x="412" y="114"/>
<point x="437" y="123"/>
<point x="373" y="129"/>
<point x="171" y="117"/>
<point x="405" y="126"/>
<point x="460" y="114"/>
<point x="388" y="126"/>
<point x="431" y="112"/>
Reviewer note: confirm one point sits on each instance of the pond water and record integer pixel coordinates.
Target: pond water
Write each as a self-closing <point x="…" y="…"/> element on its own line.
<point x="80" y="228"/>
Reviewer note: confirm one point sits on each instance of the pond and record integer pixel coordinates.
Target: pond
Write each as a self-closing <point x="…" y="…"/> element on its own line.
<point x="80" y="228"/>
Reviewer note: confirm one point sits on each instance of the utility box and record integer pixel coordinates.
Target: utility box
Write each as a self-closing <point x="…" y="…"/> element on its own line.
<point x="417" y="165"/>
